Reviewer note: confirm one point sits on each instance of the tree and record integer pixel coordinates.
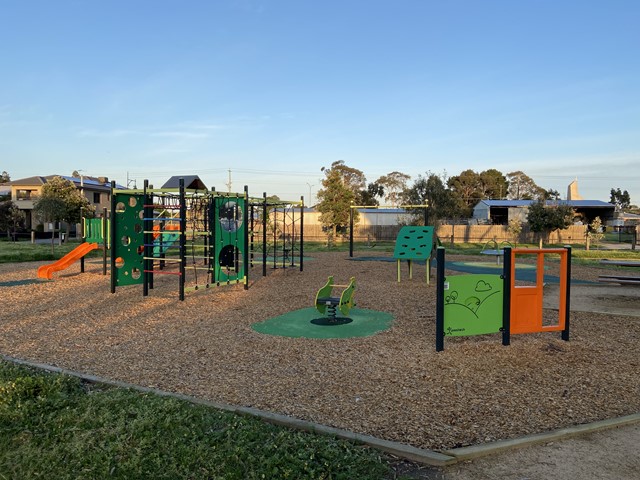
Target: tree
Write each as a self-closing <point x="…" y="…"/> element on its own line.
<point x="12" y="218"/>
<point x="50" y="209"/>
<point x="431" y="191"/>
<point x="594" y="231"/>
<point x="352" y="178"/>
<point x="471" y="187"/>
<point x="493" y="184"/>
<point x="522" y="187"/>
<point x="370" y="195"/>
<point x="393" y="184"/>
<point x="514" y="228"/>
<point x="545" y="219"/>
<point x="4" y="178"/>
<point x="466" y="187"/>
<point x="620" y="199"/>
<point x="340" y="185"/>
<point x="552" y="194"/>
<point x="60" y="201"/>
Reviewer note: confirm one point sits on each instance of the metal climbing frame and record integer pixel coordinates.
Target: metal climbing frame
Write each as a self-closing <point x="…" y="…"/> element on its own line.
<point x="277" y="233"/>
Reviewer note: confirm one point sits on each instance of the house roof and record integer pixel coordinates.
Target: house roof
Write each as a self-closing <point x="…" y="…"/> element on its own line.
<point x="30" y="181"/>
<point x="526" y="203"/>
<point x="191" y="182"/>
<point x="88" y="182"/>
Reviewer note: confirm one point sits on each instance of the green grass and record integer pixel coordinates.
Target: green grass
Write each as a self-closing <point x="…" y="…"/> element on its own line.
<point x="11" y="252"/>
<point x="55" y="426"/>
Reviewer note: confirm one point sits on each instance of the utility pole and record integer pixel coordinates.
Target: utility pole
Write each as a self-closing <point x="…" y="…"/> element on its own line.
<point x="310" y="185"/>
<point x="229" y="182"/>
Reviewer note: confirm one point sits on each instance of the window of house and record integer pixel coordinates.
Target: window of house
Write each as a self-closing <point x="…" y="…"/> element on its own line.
<point x="96" y="197"/>
<point x="23" y="194"/>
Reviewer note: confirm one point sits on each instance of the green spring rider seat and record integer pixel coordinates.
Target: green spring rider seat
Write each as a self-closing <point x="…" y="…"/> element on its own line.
<point x="327" y="304"/>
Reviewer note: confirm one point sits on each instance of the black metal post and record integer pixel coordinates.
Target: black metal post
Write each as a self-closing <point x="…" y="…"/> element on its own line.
<point x="147" y="276"/>
<point x="245" y="246"/>
<point x="275" y="239"/>
<point x="506" y="296"/>
<point x="113" y="236"/>
<point x="302" y="232"/>
<point x="213" y="261"/>
<point x="105" y="243"/>
<point x="567" y="313"/>
<point x="83" y="238"/>
<point x="264" y="234"/>
<point x="440" y="254"/>
<point x="183" y="239"/>
<point x="351" y="231"/>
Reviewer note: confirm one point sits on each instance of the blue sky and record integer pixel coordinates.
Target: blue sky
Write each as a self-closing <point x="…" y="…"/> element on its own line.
<point x="275" y="90"/>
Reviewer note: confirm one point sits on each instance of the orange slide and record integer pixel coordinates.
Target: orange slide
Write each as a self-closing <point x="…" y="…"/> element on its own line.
<point x="46" y="271"/>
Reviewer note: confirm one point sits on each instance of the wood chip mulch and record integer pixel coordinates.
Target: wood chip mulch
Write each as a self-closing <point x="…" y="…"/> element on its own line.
<point x="392" y="385"/>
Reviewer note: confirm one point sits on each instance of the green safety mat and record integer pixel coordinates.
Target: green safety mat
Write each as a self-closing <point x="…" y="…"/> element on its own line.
<point x="309" y="323"/>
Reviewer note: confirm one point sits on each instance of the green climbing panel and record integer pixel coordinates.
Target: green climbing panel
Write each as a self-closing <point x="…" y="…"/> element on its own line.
<point x="129" y="245"/>
<point x="230" y="225"/>
<point x="414" y="243"/>
<point x="472" y="304"/>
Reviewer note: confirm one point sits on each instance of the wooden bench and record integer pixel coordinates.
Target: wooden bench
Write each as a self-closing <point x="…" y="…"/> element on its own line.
<point x="621" y="279"/>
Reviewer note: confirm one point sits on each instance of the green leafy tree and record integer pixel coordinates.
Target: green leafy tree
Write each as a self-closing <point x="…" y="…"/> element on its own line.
<point x="466" y="187"/>
<point x="352" y="178"/>
<point x="545" y="219"/>
<point x="430" y="190"/>
<point x="61" y="201"/>
<point x="471" y="187"/>
<point x="620" y="199"/>
<point x="522" y="187"/>
<point x="50" y="209"/>
<point x="393" y="184"/>
<point x="493" y="184"/>
<point x="12" y="219"/>
<point x="551" y="194"/>
<point x="4" y="178"/>
<point x="595" y="232"/>
<point x="370" y="195"/>
<point x="340" y="186"/>
<point x="514" y="228"/>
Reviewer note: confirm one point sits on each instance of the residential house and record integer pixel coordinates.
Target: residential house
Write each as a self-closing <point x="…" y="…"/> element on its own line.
<point x="25" y="191"/>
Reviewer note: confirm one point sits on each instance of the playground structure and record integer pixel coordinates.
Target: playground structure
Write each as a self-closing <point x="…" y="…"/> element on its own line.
<point x="172" y="231"/>
<point x="492" y="248"/>
<point x="424" y="208"/>
<point x="46" y="271"/>
<point x="280" y="226"/>
<point x="484" y="304"/>
<point x="94" y="233"/>
<point x="327" y="304"/>
<point x="414" y="243"/>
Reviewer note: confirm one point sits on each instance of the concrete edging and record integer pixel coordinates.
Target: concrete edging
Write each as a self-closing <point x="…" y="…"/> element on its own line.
<point x="475" y="451"/>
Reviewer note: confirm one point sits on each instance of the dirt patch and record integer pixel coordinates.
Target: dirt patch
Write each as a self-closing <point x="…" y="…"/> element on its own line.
<point x="391" y="385"/>
<point x="605" y="299"/>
